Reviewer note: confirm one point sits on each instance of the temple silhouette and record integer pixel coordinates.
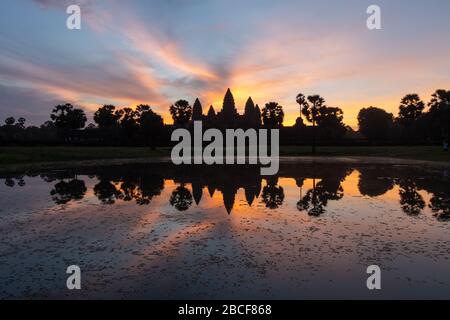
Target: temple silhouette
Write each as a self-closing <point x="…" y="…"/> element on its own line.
<point x="228" y="117"/>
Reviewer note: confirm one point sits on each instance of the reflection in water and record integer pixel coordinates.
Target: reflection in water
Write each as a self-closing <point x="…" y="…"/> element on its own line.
<point x="440" y="204"/>
<point x="141" y="189"/>
<point x="312" y="202"/>
<point x="181" y="198"/>
<point x="11" y="182"/>
<point x="372" y="183"/>
<point x="273" y="195"/>
<point x="142" y="183"/>
<point x="162" y="231"/>
<point x="410" y="200"/>
<point x="107" y="192"/>
<point x="66" y="191"/>
<point x="329" y="188"/>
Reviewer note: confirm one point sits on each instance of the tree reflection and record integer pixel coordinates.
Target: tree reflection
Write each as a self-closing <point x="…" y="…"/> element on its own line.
<point x="312" y="202"/>
<point x="21" y="182"/>
<point x="150" y="186"/>
<point x="371" y="184"/>
<point x="440" y="205"/>
<point x="181" y="198"/>
<point x="107" y="192"/>
<point x="64" y="192"/>
<point x="411" y="201"/>
<point x="140" y="189"/>
<point x="129" y="190"/>
<point x="273" y="194"/>
<point x="9" y="182"/>
<point x="329" y="188"/>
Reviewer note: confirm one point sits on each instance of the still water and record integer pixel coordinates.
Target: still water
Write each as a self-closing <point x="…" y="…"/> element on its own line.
<point x="160" y="231"/>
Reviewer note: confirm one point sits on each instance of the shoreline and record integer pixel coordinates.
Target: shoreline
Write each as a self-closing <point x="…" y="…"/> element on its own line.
<point x="353" y="160"/>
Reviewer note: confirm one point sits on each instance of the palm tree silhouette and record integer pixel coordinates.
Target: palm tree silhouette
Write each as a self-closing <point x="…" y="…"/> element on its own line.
<point x="309" y="107"/>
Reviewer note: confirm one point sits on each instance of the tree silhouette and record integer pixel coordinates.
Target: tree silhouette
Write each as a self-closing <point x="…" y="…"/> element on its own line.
<point x="181" y="112"/>
<point x="273" y="115"/>
<point x="107" y="116"/>
<point x="374" y="123"/>
<point x="410" y="109"/>
<point x="309" y="108"/>
<point x="181" y="198"/>
<point x="129" y="123"/>
<point x="66" y="117"/>
<point x="21" y="122"/>
<point x="329" y="120"/>
<point x="151" y="124"/>
<point x="10" y="121"/>
<point x="49" y="125"/>
<point x="197" y="111"/>
<point x="440" y="110"/>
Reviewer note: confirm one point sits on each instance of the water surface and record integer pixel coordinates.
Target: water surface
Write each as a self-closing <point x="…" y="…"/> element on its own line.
<point x="161" y="231"/>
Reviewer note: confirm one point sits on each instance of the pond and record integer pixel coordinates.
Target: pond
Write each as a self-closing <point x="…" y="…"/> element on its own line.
<point x="158" y="231"/>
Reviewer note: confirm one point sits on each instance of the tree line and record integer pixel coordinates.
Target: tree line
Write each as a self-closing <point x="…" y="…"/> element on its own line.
<point x="142" y="125"/>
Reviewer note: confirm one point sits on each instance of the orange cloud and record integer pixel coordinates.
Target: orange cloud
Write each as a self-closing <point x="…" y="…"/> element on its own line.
<point x="167" y="52"/>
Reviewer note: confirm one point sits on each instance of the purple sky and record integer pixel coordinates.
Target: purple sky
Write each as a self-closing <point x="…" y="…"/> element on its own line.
<point x="156" y="52"/>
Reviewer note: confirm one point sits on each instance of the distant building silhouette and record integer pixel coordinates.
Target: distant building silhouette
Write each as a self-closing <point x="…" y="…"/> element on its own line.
<point x="229" y="117"/>
<point x="197" y="111"/>
<point x="211" y="117"/>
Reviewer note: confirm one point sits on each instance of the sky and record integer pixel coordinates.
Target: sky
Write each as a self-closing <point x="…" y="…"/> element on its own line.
<point x="157" y="52"/>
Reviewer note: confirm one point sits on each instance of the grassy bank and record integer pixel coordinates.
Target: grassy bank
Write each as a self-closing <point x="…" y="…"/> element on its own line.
<point x="25" y="155"/>
<point x="429" y="153"/>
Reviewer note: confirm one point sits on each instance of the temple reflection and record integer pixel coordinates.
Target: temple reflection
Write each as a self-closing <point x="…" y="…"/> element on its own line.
<point x="317" y="185"/>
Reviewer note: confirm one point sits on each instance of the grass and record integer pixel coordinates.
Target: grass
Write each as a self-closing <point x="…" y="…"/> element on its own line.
<point x="33" y="155"/>
<point x="429" y="153"/>
<point x="23" y="155"/>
